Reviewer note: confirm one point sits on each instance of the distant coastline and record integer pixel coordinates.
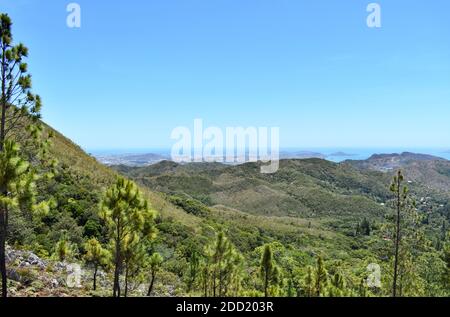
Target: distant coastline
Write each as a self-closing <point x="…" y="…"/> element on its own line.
<point x="142" y="157"/>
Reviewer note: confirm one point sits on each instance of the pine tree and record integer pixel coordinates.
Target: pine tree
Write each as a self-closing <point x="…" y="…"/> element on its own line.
<point x="320" y="277"/>
<point x="291" y="271"/>
<point x="399" y="192"/>
<point x="362" y="288"/>
<point x="233" y="274"/>
<point x="194" y="270"/>
<point x="18" y="180"/>
<point x="446" y="258"/>
<point x="19" y="109"/>
<point x="337" y="286"/>
<point x="205" y="275"/>
<point x="410" y="243"/>
<point x="97" y="257"/>
<point x="407" y="234"/>
<point x="365" y="227"/>
<point x="268" y="269"/>
<point x="309" y="282"/>
<point x="222" y="247"/>
<point x="155" y="262"/>
<point x="63" y="249"/>
<point x="134" y="257"/>
<point x="128" y="216"/>
<point x="221" y="270"/>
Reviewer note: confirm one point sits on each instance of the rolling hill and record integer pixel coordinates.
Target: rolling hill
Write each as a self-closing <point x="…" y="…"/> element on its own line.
<point x="301" y="188"/>
<point x="336" y="196"/>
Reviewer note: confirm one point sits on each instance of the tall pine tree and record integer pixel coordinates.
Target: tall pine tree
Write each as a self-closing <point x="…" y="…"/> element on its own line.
<point x="320" y="277"/>
<point x="268" y="269"/>
<point x="20" y="109"/>
<point x="128" y="216"/>
<point x="221" y="270"/>
<point x="407" y="234"/>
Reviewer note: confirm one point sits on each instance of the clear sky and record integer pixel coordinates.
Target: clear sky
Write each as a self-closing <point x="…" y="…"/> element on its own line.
<point x="135" y="70"/>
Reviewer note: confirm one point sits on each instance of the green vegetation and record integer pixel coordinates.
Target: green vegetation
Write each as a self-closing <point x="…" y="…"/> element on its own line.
<point x="222" y="268"/>
<point x="269" y="271"/>
<point x="20" y="111"/>
<point x="154" y="263"/>
<point x="97" y="257"/>
<point x="314" y="228"/>
<point x="324" y="222"/>
<point x="129" y="220"/>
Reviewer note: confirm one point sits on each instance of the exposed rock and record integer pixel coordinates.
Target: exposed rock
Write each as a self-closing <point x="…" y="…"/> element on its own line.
<point x="12" y="274"/>
<point x="54" y="283"/>
<point x="60" y="266"/>
<point x="24" y="259"/>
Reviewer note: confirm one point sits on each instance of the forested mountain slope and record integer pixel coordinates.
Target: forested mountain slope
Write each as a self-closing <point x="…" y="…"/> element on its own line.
<point x="308" y="209"/>
<point x="310" y="188"/>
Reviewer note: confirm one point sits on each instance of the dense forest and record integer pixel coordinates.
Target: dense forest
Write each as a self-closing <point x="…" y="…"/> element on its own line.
<point x="70" y="226"/>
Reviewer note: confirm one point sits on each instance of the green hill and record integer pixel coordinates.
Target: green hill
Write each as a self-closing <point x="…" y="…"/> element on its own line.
<point x="311" y="188"/>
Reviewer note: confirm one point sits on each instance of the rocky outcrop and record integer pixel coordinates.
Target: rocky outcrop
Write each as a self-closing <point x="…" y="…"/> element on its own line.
<point x="24" y="259"/>
<point x="34" y="276"/>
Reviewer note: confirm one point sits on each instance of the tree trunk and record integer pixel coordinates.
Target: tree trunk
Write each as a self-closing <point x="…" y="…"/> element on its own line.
<point x="4" y="102"/>
<point x="191" y="283"/>
<point x="95" y="278"/>
<point x="266" y="284"/>
<point x="116" y="285"/>
<point x="397" y="241"/>
<point x="205" y="288"/>
<point x="126" y="281"/>
<point x="116" y="292"/>
<point x="118" y="262"/>
<point x="150" y="288"/>
<point x="214" y="283"/>
<point x="4" y="210"/>
<point x="220" y="282"/>
<point x="3" y="253"/>
<point x="318" y="287"/>
<point x="3" y="236"/>
<point x="205" y="282"/>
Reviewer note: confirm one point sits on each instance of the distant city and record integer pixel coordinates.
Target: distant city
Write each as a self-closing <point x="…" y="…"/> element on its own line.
<point x="144" y="157"/>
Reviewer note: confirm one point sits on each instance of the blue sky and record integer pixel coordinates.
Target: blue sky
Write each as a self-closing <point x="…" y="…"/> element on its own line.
<point x="135" y="70"/>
